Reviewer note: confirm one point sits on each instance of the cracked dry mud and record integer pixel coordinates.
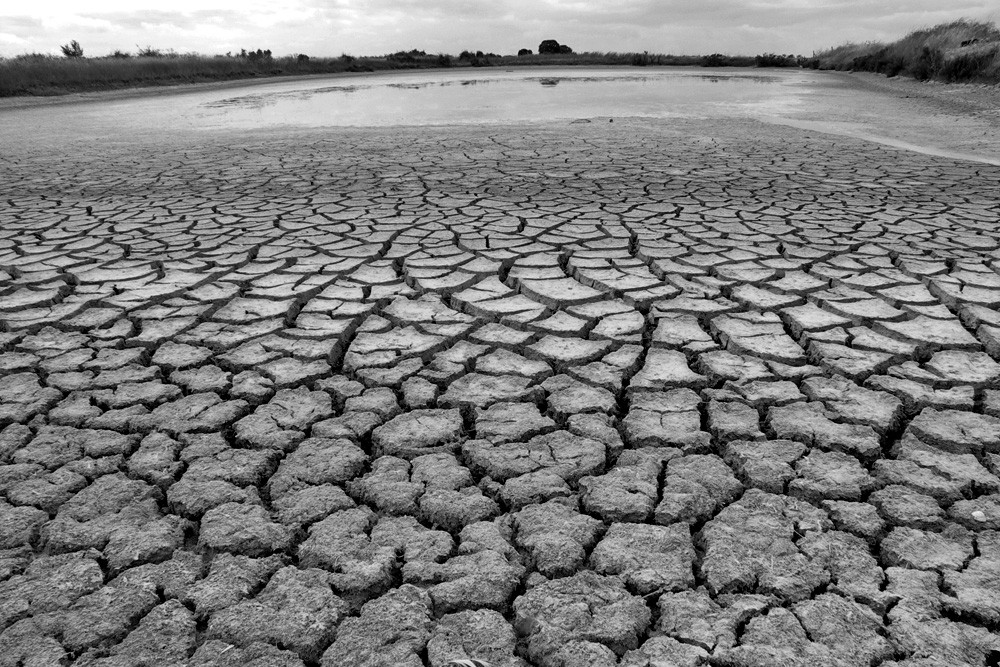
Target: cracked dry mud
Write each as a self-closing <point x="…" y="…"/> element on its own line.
<point x="628" y="394"/>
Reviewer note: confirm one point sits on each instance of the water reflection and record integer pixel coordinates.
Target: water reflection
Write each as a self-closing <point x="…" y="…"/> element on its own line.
<point x="449" y="97"/>
<point x="261" y="100"/>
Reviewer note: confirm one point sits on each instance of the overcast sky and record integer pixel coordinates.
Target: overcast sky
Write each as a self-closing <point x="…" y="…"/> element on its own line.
<point x="373" y="27"/>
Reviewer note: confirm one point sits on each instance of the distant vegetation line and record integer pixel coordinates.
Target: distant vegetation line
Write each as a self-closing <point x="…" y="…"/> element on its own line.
<point x="960" y="51"/>
<point x="40" y="74"/>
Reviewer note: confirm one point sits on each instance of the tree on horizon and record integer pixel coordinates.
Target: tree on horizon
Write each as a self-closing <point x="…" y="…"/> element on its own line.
<point x="72" y="50"/>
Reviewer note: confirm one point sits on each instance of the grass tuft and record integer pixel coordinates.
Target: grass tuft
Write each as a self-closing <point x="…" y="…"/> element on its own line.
<point x="39" y="74"/>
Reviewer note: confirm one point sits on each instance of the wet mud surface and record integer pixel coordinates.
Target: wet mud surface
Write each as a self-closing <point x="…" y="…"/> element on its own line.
<point x="632" y="393"/>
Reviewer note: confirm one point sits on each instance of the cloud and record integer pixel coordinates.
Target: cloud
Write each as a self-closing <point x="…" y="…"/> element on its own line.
<point x="12" y="40"/>
<point x="363" y="27"/>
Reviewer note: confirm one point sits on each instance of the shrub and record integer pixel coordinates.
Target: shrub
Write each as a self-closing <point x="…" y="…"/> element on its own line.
<point x="548" y="46"/>
<point x="72" y="50"/>
<point x="524" y="52"/>
<point x="969" y="66"/>
<point x="776" y="60"/>
<point x="715" y="60"/>
<point x="258" y="56"/>
<point x="148" y="52"/>
<point x="301" y="58"/>
<point x="121" y="54"/>
<point x="928" y="64"/>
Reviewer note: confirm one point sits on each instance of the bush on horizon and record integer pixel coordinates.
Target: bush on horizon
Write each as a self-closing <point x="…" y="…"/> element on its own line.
<point x="72" y="50"/>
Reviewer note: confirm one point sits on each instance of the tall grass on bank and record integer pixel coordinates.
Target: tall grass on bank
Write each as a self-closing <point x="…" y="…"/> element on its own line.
<point x="39" y="74"/>
<point x="960" y="51"/>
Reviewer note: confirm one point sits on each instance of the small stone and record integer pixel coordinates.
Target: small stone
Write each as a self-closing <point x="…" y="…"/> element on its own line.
<point x="983" y="513"/>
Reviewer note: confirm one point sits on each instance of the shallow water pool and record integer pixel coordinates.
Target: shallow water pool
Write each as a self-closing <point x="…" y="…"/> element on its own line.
<point x="483" y="96"/>
<point x="818" y="102"/>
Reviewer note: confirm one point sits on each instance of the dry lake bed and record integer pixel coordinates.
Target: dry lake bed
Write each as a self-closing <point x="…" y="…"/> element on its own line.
<point x="555" y="368"/>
